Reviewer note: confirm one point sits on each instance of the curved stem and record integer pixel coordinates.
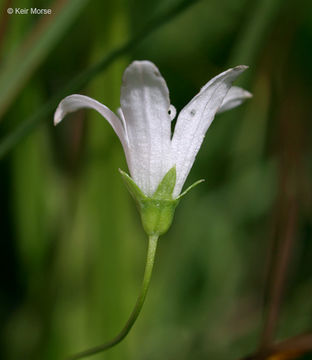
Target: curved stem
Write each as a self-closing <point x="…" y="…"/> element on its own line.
<point x="152" y="245"/>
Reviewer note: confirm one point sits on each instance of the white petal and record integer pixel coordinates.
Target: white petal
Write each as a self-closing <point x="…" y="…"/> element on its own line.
<point x="233" y="98"/>
<point x="195" y="119"/>
<point x="75" y="102"/>
<point x="123" y="120"/>
<point x="145" y="104"/>
<point x="172" y="112"/>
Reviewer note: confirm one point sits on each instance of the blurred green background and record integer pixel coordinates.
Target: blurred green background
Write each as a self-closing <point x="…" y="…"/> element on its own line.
<point x="72" y="246"/>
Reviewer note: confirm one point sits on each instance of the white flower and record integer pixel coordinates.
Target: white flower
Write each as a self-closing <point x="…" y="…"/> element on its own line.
<point x="143" y="124"/>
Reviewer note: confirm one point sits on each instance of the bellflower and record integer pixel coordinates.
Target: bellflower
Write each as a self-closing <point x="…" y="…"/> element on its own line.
<point x="159" y="161"/>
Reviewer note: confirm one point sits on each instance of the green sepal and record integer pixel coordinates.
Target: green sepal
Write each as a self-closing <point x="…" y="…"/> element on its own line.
<point x="190" y="188"/>
<point x="156" y="211"/>
<point x="157" y="215"/>
<point x="166" y="186"/>
<point x="133" y="188"/>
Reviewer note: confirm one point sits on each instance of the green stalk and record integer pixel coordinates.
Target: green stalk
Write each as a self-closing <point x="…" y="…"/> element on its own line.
<point x="151" y="251"/>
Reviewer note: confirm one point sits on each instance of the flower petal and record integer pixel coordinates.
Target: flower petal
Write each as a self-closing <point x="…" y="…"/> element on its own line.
<point x="195" y="119"/>
<point x="233" y="98"/>
<point x="145" y="103"/>
<point x="172" y="112"/>
<point x="123" y="120"/>
<point x="75" y="102"/>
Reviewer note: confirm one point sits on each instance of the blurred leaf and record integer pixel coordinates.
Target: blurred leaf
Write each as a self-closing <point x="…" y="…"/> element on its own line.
<point x="255" y="31"/>
<point x="32" y="50"/>
<point x="80" y="80"/>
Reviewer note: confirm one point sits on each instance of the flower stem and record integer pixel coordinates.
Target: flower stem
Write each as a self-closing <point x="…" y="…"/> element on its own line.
<point x="151" y="251"/>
